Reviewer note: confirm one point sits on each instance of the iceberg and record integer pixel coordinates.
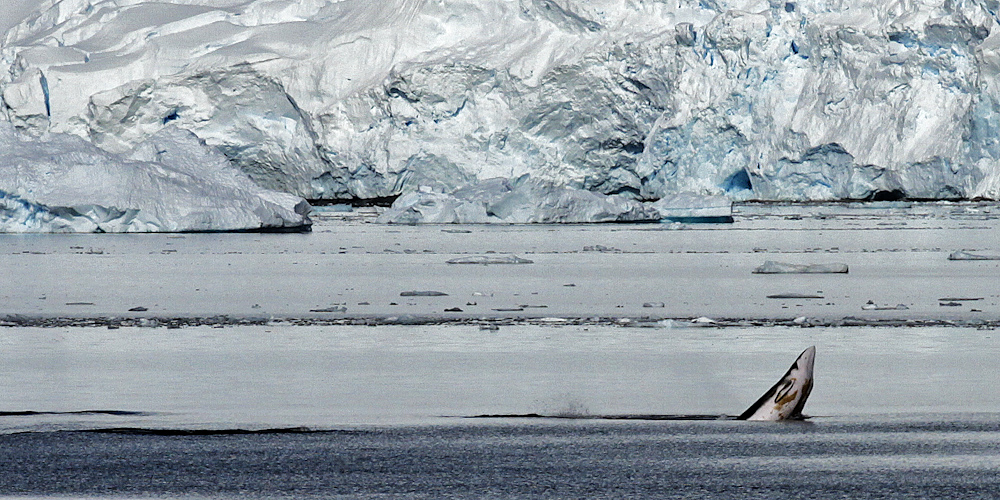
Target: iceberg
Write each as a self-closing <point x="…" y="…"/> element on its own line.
<point x="644" y="99"/>
<point x="171" y="182"/>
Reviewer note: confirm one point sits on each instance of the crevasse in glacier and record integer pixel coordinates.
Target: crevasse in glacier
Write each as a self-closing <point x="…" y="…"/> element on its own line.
<point x="783" y="100"/>
<point x="170" y="182"/>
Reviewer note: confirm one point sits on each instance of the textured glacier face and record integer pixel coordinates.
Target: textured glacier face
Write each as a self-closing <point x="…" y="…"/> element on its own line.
<point x="525" y="200"/>
<point x="170" y="182"/>
<point x="787" y="100"/>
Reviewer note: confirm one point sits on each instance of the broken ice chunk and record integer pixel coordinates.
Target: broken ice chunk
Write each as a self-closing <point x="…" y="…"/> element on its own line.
<point x="490" y="259"/>
<point x="772" y="267"/>
<point x="872" y="306"/>
<point x="960" y="255"/>
<point x="331" y="309"/>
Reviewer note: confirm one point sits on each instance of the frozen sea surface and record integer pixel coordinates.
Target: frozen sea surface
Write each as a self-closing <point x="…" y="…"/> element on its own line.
<point x="897" y="254"/>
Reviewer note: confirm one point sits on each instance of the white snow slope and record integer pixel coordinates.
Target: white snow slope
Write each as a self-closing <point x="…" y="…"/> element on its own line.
<point x="801" y="100"/>
<point x="171" y="182"/>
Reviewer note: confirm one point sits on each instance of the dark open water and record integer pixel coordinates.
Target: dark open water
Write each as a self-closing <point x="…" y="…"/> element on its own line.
<point x="923" y="456"/>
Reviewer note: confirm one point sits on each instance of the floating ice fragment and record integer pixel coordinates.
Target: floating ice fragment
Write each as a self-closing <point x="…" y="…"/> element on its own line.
<point x="772" y="267"/>
<point x="490" y="259"/>
<point x="332" y="309"/>
<point x="960" y="255"/>
<point x="872" y="306"/>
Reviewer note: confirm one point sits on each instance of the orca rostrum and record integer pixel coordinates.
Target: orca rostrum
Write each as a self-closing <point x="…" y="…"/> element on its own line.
<point x="786" y="399"/>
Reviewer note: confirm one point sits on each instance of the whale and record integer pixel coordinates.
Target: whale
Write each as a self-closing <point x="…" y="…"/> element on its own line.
<point x="786" y="399"/>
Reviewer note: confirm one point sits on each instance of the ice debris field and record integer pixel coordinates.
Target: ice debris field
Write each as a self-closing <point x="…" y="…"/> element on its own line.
<point x="587" y="110"/>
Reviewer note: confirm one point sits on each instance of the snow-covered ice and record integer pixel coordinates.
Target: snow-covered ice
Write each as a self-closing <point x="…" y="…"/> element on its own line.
<point x="579" y="271"/>
<point x="765" y="99"/>
<point x="170" y="182"/>
<point x="490" y="259"/>
<point x="963" y="255"/>
<point x="773" y="267"/>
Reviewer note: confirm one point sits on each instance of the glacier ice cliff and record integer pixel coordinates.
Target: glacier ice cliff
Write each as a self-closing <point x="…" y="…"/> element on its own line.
<point x="170" y="182"/>
<point x="525" y="200"/>
<point x="341" y="99"/>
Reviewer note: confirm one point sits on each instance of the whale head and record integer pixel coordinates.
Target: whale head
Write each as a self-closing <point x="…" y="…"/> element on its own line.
<point x="786" y="399"/>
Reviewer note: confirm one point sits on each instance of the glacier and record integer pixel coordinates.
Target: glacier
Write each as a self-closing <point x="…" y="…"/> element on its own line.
<point x="171" y="182"/>
<point x="525" y="201"/>
<point x="636" y="99"/>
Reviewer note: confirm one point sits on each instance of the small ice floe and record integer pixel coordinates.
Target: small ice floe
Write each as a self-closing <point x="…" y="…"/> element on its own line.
<point x="800" y="320"/>
<point x="872" y="306"/>
<point x="703" y="321"/>
<point x="794" y="296"/>
<point x="960" y="255"/>
<point x="654" y="304"/>
<point x="772" y="267"/>
<point x="490" y="259"/>
<point x="601" y="249"/>
<point x="331" y="309"/>
<point x="422" y="293"/>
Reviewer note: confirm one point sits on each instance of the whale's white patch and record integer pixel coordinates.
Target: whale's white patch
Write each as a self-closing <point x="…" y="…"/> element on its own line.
<point x="786" y="399"/>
